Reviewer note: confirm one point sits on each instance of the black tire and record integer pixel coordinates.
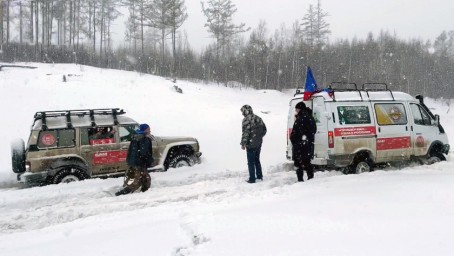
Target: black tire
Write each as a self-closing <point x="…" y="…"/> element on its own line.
<point x="69" y="174"/>
<point x="435" y="158"/>
<point x="18" y="156"/>
<point x="181" y="160"/>
<point x="362" y="166"/>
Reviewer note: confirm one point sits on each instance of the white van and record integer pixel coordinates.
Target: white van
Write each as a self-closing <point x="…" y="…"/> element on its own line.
<point x="360" y="128"/>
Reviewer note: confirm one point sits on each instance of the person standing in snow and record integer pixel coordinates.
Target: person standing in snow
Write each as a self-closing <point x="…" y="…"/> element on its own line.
<point x="302" y="138"/>
<point x="253" y="131"/>
<point x="139" y="158"/>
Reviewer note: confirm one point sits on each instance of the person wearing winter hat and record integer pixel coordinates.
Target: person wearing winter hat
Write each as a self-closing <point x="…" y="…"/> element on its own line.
<point x="143" y="128"/>
<point x="139" y="158"/>
<point x="302" y="138"/>
<point x="253" y="131"/>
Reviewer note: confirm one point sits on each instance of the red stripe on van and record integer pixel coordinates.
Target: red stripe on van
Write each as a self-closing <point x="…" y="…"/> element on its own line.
<point x="393" y="143"/>
<point x="355" y="131"/>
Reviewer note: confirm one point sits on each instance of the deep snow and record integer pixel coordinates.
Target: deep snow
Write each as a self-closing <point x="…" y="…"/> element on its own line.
<point x="208" y="209"/>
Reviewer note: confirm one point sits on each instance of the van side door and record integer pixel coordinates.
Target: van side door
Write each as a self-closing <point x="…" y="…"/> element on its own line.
<point x="354" y="131"/>
<point x="423" y="130"/>
<point x="393" y="132"/>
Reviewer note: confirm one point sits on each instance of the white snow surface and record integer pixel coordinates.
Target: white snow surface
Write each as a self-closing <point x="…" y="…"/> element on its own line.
<point x="209" y="209"/>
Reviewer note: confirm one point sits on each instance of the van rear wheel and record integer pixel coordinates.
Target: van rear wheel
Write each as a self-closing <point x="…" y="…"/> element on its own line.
<point x="362" y="166"/>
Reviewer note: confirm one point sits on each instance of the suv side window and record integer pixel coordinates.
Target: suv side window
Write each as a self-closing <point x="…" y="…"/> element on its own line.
<point x="84" y="136"/>
<point x="56" y="138"/>
<point x="126" y="132"/>
<point x="353" y="114"/>
<point x="390" y="114"/>
<point x="420" y="115"/>
<point x="101" y="135"/>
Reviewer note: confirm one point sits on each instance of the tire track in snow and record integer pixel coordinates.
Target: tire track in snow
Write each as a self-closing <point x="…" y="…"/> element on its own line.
<point x="60" y="204"/>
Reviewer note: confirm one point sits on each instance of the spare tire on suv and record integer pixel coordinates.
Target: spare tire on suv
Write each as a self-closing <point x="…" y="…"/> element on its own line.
<point x="18" y="155"/>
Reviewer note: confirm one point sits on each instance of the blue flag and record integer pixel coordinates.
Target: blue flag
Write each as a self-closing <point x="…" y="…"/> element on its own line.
<point x="311" y="85"/>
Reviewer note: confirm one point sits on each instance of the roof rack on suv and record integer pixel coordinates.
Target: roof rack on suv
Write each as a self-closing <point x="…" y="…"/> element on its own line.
<point x="42" y="115"/>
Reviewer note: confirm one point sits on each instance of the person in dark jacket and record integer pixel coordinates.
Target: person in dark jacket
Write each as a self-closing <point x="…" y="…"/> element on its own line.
<point x="139" y="158"/>
<point x="253" y="131"/>
<point x="302" y="138"/>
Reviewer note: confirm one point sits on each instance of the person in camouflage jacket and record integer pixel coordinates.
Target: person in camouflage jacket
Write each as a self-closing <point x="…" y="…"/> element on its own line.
<point x="253" y="131"/>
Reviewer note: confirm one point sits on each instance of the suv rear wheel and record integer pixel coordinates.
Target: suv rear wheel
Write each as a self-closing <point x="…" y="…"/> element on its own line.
<point x="69" y="174"/>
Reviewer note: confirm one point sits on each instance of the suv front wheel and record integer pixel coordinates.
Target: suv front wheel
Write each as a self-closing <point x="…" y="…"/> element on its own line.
<point x="69" y="174"/>
<point x="181" y="160"/>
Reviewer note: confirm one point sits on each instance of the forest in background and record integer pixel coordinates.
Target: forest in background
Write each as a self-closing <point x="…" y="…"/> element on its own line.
<point x="79" y="31"/>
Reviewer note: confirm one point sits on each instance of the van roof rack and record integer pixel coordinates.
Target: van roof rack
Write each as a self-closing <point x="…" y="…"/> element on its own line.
<point x="348" y="87"/>
<point x="353" y="87"/>
<point x="366" y="87"/>
<point x="43" y="115"/>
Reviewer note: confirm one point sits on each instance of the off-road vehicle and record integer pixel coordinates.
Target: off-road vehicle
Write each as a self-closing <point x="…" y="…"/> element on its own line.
<point x="73" y="145"/>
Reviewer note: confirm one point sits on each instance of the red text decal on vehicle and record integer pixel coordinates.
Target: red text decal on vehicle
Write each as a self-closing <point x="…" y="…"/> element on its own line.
<point x="355" y="131"/>
<point x="109" y="157"/>
<point x="393" y="143"/>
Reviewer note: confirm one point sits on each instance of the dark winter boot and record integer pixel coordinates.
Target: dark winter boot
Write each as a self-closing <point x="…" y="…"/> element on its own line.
<point x="299" y="175"/>
<point x="124" y="191"/>
<point x="310" y="171"/>
<point x="310" y="175"/>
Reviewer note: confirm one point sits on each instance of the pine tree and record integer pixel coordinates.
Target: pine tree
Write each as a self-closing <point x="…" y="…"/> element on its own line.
<point x="219" y="15"/>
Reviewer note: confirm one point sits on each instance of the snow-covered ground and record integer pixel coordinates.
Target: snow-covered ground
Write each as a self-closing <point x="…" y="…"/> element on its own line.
<point x="208" y="209"/>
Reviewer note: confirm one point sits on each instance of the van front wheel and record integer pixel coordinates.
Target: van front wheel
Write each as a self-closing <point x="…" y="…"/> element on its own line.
<point x="435" y="158"/>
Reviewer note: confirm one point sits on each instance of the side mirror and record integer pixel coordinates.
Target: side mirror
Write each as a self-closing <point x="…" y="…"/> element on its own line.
<point x="437" y="120"/>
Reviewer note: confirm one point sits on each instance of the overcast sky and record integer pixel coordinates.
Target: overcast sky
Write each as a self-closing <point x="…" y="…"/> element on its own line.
<point x="347" y="18"/>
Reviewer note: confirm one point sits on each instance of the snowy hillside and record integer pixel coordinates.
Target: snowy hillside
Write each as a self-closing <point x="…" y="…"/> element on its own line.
<point x="208" y="209"/>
